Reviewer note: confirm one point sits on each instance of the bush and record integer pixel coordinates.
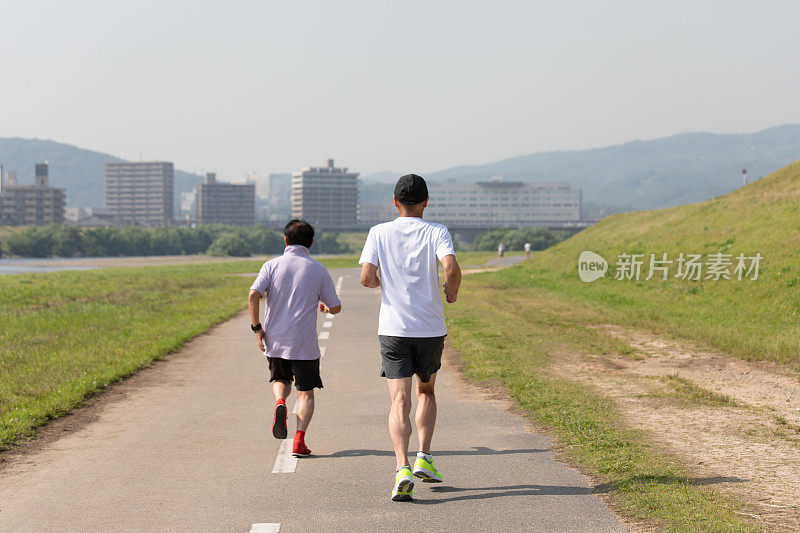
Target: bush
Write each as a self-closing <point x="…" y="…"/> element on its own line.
<point x="327" y="243"/>
<point x="69" y="241"/>
<point x="540" y="238"/>
<point x="230" y="244"/>
<point x="32" y="242"/>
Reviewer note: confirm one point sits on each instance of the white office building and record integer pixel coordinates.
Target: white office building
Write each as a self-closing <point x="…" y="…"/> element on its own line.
<point x="499" y="203"/>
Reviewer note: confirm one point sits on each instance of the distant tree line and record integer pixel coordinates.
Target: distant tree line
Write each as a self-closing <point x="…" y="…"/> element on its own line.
<point x="515" y="239"/>
<point x="61" y="240"/>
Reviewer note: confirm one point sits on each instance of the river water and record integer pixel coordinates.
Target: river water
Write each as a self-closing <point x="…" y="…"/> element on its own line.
<point x="35" y="266"/>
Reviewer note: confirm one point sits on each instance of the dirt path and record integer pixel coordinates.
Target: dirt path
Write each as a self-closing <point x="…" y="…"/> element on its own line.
<point x="735" y="420"/>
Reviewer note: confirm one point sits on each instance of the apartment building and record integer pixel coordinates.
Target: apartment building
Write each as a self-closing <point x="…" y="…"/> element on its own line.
<point x="27" y="205"/>
<point x="141" y="193"/>
<point x="326" y="196"/>
<point x="225" y="203"/>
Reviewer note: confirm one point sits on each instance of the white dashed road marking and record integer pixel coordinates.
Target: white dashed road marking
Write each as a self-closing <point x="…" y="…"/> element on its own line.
<point x="322" y="350"/>
<point x="285" y="463"/>
<point x="265" y="528"/>
<point x="324" y="335"/>
<point x="327" y="324"/>
<point x="329" y="315"/>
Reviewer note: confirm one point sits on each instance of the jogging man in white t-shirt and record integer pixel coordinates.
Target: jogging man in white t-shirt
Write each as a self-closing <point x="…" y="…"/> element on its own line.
<point x="411" y="325"/>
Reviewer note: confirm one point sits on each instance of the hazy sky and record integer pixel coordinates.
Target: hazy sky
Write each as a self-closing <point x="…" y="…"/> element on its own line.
<point x="243" y="86"/>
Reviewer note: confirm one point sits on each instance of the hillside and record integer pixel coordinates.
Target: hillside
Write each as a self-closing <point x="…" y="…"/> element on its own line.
<point x="81" y="172"/>
<point x="685" y="168"/>
<point x="753" y="319"/>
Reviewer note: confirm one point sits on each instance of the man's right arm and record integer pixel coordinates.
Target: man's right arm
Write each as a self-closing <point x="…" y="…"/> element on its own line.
<point x="369" y="276"/>
<point x="254" y="304"/>
<point x="369" y="262"/>
<point x="452" y="277"/>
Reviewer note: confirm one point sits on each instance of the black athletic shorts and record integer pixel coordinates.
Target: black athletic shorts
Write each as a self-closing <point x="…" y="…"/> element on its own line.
<point x="402" y="357"/>
<point x="305" y="373"/>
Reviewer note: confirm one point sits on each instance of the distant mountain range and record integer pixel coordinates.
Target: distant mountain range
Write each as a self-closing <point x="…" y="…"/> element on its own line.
<point x="681" y="169"/>
<point x="685" y="168"/>
<point x="81" y="172"/>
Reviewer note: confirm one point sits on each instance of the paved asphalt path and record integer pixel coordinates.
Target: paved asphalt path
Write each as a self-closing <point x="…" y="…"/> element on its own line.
<point x="505" y="261"/>
<point x="187" y="446"/>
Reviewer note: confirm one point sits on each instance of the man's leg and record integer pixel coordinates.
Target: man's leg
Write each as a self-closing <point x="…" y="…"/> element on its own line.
<point x="399" y="422"/>
<point x="426" y="413"/>
<point x="428" y="361"/>
<point x="307" y="378"/>
<point x="281" y="390"/>
<point x="305" y="408"/>
<point x="281" y="378"/>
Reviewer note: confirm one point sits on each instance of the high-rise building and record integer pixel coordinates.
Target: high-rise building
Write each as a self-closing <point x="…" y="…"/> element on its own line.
<point x="226" y="203"/>
<point x="37" y="204"/>
<point x="499" y="203"/>
<point x="279" y="189"/>
<point x="326" y="196"/>
<point x="141" y="193"/>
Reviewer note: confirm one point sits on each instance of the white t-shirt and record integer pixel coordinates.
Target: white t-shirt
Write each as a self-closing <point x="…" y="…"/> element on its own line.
<point x="406" y="251"/>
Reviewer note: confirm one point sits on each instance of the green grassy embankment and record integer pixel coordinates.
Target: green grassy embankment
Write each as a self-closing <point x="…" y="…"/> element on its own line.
<point x="511" y="327"/>
<point x="752" y="319"/>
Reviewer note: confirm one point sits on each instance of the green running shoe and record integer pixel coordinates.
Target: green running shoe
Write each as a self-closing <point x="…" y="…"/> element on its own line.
<point x="425" y="470"/>
<point x="403" y="485"/>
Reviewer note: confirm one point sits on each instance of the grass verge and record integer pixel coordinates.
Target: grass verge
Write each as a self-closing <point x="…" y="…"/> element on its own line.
<point x="643" y="483"/>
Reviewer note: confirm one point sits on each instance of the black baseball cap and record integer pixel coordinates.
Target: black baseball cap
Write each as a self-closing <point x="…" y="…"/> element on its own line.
<point x="411" y="190"/>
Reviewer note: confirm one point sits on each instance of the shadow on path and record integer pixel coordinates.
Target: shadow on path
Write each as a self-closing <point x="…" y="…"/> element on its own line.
<point x="484" y="493"/>
<point x="477" y="450"/>
<point x="614" y="486"/>
<point x="481" y="493"/>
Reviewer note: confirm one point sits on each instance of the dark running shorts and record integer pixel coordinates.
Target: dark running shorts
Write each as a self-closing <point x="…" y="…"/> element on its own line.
<point x="402" y="357"/>
<point x="305" y="373"/>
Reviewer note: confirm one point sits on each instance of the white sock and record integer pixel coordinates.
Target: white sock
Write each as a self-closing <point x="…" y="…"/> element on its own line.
<point x="425" y="456"/>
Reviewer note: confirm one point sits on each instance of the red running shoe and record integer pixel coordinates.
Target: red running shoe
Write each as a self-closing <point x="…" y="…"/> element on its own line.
<point x="279" y="421"/>
<point x="301" y="451"/>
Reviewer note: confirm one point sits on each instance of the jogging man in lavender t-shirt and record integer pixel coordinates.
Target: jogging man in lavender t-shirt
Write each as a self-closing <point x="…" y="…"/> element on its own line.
<point x="294" y="287"/>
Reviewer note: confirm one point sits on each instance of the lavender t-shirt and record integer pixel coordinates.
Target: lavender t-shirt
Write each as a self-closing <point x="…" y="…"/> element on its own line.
<point x="293" y="285"/>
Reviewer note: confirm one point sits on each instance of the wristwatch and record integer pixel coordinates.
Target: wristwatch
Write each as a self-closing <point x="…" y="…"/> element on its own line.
<point x="256" y="328"/>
